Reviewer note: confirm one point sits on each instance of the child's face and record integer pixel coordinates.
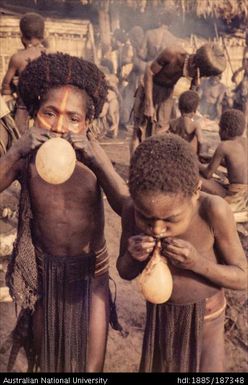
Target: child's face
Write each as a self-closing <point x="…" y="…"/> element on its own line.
<point x="63" y="109"/>
<point x="163" y="215"/>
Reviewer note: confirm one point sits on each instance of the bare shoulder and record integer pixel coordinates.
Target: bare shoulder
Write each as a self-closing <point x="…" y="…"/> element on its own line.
<point x="215" y="210"/>
<point x="171" y="53"/>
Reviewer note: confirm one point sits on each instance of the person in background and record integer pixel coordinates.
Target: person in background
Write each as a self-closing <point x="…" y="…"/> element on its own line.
<point x="32" y="28"/>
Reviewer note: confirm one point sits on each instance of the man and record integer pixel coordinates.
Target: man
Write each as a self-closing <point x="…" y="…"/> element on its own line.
<point x="153" y="101"/>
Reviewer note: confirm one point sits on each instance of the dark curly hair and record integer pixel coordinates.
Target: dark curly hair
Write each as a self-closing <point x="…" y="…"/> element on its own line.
<point x="232" y="122"/>
<point x="32" y="25"/>
<point x="188" y="101"/>
<point x="57" y="70"/>
<point x="164" y="163"/>
<point x="210" y="59"/>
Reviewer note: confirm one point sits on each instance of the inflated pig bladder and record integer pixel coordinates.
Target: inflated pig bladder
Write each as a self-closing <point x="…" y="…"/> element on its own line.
<point x="156" y="280"/>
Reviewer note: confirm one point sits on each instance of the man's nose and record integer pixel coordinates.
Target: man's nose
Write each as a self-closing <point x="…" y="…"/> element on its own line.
<point x="59" y="126"/>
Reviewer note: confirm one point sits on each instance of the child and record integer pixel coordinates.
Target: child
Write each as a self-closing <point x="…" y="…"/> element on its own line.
<point x="59" y="268"/>
<point x="202" y="248"/>
<point x="32" y="36"/>
<point x="233" y="152"/>
<point x="186" y="126"/>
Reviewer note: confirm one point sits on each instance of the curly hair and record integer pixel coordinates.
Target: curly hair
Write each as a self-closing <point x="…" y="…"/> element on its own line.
<point x="57" y="70"/>
<point x="210" y="59"/>
<point x="188" y="101"/>
<point x="232" y="122"/>
<point x="32" y="25"/>
<point x="164" y="163"/>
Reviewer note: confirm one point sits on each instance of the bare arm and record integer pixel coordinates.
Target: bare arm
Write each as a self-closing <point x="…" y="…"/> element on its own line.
<point x="96" y="159"/>
<point x="128" y="268"/>
<point x="113" y="185"/>
<point x="230" y="270"/>
<point x="231" y="273"/>
<point x="11" y="71"/>
<point x="13" y="161"/>
<point x="151" y="70"/>
<point x="207" y="171"/>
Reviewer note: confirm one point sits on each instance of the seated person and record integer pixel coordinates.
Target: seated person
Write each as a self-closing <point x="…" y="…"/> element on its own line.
<point x="233" y="152"/>
<point x="186" y="125"/>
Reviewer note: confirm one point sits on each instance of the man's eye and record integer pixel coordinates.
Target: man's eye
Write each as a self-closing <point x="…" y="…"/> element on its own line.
<point x="75" y="119"/>
<point x="49" y="113"/>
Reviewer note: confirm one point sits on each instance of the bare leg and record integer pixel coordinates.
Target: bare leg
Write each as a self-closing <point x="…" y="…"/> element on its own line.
<point x="212" y="187"/>
<point x="98" y="327"/>
<point x="212" y="357"/>
<point x="164" y="116"/>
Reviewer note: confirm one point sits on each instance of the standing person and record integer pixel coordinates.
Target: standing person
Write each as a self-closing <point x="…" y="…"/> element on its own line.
<point x="187" y="126"/>
<point x="153" y="102"/>
<point x="32" y="28"/>
<point x="58" y="273"/>
<point x="201" y="246"/>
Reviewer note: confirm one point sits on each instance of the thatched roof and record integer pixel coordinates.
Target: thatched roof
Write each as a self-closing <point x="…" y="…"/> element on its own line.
<point x="225" y="9"/>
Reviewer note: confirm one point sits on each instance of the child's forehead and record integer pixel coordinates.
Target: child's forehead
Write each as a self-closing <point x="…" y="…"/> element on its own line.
<point x="160" y="197"/>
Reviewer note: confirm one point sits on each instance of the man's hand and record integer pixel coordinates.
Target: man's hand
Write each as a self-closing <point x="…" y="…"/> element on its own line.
<point x="149" y="110"/>
<point x="81" y="143"/>
<point x="141" y="246"/>
<point x="33" y="139"/>
<point x="181" y="253"/>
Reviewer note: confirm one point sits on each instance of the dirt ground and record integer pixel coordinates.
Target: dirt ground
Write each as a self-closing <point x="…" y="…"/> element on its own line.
<point x="123" y="352"/>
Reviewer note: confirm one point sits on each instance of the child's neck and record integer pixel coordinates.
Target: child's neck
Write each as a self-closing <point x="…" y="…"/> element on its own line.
<point x="33" y="43"/>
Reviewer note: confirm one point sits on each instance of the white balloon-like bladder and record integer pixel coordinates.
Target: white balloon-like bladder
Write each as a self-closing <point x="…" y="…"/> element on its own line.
<point x="155" y="281"/>
<point x="55" y="161"/>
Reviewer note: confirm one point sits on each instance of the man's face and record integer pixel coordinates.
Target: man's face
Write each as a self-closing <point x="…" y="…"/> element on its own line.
<point x="62" y="110"/>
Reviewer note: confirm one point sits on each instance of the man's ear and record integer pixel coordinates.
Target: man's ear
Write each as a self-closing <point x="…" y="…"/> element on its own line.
<point x="198" y="189"/>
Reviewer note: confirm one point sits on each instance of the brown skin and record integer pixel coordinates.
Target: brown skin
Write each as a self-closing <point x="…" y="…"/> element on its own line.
<point x="17" y="64"/>
<point x="203" y="248"/>
<point x="19" y="61"/>
<point x="233" y="153"/>
<point x="191" y="127"/>
<point x="70" y="226"/>
<point x="166" y="70"/>
<point x="203" y="252"/>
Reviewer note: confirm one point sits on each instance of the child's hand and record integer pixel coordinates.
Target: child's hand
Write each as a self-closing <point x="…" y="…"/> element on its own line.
<point x="32" y="139"/>
<point x="140" y="246"/>
<point x="180" y="253"/>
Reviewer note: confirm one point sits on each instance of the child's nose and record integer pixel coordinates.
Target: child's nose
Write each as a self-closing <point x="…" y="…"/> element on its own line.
<point x="158" y="228"/>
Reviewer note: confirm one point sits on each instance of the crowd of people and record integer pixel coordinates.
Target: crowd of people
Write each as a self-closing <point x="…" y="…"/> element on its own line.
<point x="58" y="272"/>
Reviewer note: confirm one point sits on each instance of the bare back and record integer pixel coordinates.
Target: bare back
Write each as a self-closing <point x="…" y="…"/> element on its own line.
<point x="18" y="63"/>
<point x="235" y="154"/>
<point x="186" y="128"/>
<point x="171" y="62"/>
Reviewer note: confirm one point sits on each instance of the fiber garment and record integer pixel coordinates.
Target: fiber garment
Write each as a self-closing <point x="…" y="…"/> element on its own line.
<point x="173" y="338"/>
<point x="159" y="123"/>
<point x="237" y="197"/>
